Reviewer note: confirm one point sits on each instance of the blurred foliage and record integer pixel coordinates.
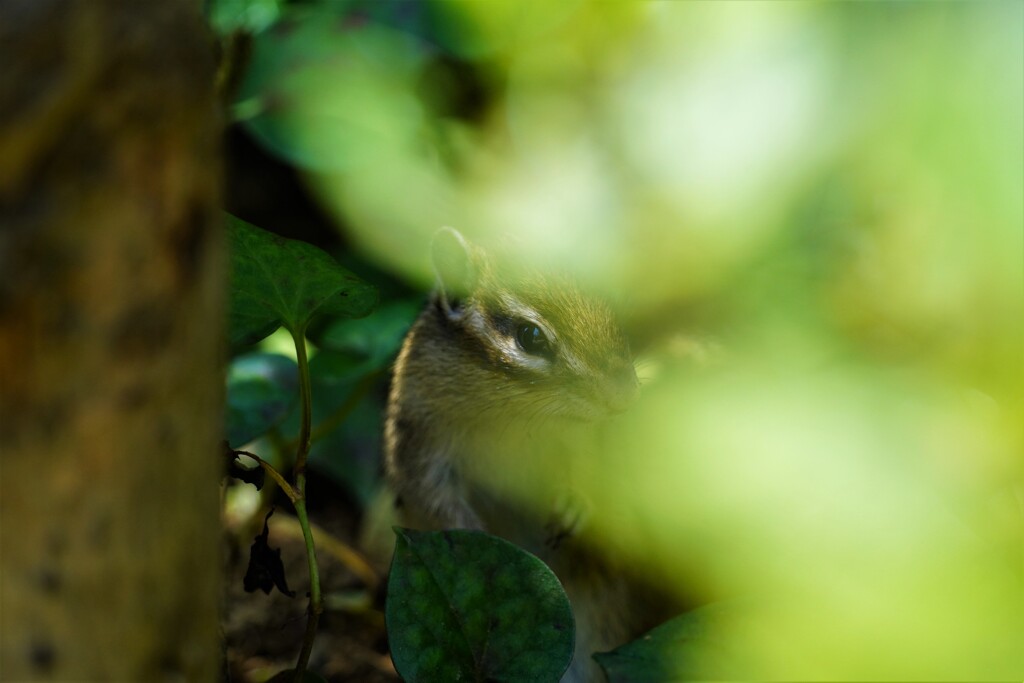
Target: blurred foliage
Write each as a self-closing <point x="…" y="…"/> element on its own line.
<point x="227" y="16"/>
<point x="262" y="389"/>
<point x="830" y="193"/>
<point x="689" y="639"/>
<point x="369" y="342"/>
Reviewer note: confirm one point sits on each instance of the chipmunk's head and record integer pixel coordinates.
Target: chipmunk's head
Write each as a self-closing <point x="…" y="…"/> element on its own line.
<point x="550" y="349"/>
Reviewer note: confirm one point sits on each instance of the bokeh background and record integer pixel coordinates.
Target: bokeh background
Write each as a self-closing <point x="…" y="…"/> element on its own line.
<point x="810" y="218"/>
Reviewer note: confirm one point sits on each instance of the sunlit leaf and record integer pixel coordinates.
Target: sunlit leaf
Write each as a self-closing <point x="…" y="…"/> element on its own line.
<point x="681" y="649"/>
<point x="328" y="94"/>
<point x="227" y="16"/>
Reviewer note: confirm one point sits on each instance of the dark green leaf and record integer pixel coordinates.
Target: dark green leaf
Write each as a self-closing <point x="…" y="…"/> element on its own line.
<point x="376" y="338"/>
<point x="262" y="389"/>
<point x="350" y="455"/>
<point x="682" y="649"/>
<point x="276" y="281"/>
<point x="331" y="368"/>
<point x="350" y="452"/>
<point x="349" y="350"/>
<point x="464" y="605"/>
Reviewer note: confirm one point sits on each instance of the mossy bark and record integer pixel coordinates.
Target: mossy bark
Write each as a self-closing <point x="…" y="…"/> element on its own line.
<point x="111" y="308"/>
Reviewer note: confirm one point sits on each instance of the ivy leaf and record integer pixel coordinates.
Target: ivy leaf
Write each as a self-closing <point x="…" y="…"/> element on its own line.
<point x="375" y="339"/>
<point x="277" y="281"/>
<point x="262" y="389"/>
<point x="682" y="649"/>
<point x="332" y="369"/>
<point x="350" y="454"/>
<point x="465" y="605"/>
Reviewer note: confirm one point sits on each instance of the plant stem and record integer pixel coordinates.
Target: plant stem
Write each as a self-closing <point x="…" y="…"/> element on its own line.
<point x="302" y="450"/>
<point x="274" y="474"/>
<point x="306" y="399"/>
<point x="335" y="419"/>
<point x="315" y="599"/>
<point x="327" y="543"/>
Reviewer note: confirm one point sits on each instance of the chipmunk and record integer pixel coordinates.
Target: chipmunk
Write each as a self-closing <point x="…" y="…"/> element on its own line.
<point x="503" y="371"/>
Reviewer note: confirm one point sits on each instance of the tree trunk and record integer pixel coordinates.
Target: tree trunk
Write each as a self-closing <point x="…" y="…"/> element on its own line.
<point x="111" y="297"/>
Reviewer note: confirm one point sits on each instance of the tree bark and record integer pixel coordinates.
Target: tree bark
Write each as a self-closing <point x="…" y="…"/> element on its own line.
<point x="111" y="298"/>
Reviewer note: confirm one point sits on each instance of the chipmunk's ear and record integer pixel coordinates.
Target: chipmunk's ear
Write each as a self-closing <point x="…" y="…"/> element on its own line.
<point x="457" y="270"/>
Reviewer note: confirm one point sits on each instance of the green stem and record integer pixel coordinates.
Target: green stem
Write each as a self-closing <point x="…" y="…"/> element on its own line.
<point x="315" y="599"/>
<point x="302" y="450"/>
<point x="335" y="419"/>
<point x="274" y="474"/>
<point x="306" y="398"/>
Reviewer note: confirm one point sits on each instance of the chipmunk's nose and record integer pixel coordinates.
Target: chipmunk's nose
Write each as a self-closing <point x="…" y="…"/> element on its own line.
<point x="621" y="388"/>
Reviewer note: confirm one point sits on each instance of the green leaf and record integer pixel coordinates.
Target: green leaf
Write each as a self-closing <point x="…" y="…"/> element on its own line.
<point x="329" y="94"/>
<point x="465" y="605"/>
<point x="682" y="649"/>
<point x="262" y="389"/>
<point x="350" y="455"/>
<point x="228" y="16"/>
<point x="374" y="339"/>
<point x="277" y="281"/>
<point x="331" y="368"/>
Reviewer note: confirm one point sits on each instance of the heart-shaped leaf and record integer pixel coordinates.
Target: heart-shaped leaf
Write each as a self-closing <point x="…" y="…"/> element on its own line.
<point x="468" y="606"/>
<point x="277" y="281"/>
<point x="685" y="648"/>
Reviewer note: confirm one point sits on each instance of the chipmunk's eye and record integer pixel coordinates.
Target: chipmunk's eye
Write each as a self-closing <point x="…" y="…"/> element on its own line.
<point x="532" y="340"/>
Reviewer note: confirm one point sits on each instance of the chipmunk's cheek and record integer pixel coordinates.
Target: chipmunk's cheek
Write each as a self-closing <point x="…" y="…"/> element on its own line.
<point x="618" y="390"/>
<point x="592" y="407"/>
<point x="629" y="385"/>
